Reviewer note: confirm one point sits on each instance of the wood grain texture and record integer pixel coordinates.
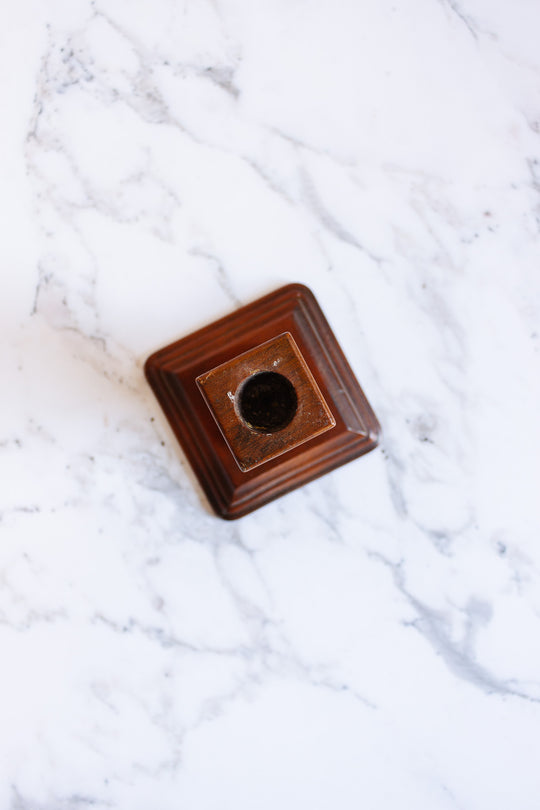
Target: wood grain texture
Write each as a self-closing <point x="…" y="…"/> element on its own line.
<point x="172" y="373"/>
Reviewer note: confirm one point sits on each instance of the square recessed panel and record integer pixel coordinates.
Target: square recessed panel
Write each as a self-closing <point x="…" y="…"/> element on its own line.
<point x="172" y="373"/>
<point x="265" y="401"/>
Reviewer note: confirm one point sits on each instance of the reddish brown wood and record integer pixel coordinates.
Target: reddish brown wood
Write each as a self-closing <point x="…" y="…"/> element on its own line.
<point x="242" y="466"/>
<point x="283" y="414"/>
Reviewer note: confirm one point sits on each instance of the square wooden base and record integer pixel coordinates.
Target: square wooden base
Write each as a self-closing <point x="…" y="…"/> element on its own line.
<point x="172" y="373"/>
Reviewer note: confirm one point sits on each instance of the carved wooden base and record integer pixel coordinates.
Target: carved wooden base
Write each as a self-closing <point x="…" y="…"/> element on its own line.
<point x="236" y="460"/>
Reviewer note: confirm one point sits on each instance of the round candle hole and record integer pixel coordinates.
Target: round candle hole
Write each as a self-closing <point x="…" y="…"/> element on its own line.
<point x="267" y="402"/>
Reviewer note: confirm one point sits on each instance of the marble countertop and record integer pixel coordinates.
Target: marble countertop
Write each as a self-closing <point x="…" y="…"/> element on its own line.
<point x="371" y="640"/>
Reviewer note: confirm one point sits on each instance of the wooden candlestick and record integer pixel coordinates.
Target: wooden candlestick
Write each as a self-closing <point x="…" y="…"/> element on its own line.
<point x="262" y="401"/>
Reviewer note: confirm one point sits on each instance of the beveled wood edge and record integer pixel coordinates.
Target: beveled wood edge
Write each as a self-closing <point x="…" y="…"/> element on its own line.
<point x="322" y="464"/>
<point x="212" y="475"/>
<point x="337" y="367"/>
<point x="194" y="345"/>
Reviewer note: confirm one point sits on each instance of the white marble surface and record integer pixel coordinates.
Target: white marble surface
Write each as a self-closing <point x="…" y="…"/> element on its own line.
<point x="372" y="640"/>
